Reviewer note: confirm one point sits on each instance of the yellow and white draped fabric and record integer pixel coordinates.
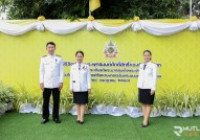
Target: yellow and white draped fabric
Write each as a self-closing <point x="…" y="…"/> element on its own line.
<point x="108" y="27"/>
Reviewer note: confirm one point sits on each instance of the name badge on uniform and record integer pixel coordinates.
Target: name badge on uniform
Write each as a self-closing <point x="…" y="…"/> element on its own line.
<point x="84" y="68"/>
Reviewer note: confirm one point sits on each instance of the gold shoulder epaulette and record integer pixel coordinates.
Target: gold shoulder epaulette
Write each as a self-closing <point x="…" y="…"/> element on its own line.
<point x="44" y="55"/>
<point x="58" y="55"/>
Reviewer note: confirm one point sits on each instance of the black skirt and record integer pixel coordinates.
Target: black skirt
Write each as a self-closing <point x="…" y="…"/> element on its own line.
<point x="145" y="96"/>
<point x="80" y="97"/>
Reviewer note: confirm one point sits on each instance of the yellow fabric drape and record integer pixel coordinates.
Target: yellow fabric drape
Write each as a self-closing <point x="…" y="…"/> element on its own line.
<point x="170" y="20"/>
<point x="94" y="4"/>
<point x="22" y="22"/>
<point x="106" y="22"/>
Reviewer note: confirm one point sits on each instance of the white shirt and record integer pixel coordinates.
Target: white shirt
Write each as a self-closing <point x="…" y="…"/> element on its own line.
<point x="51" y="71"/>
<point x="148" y="76"/>
<point x="80" y="79"/>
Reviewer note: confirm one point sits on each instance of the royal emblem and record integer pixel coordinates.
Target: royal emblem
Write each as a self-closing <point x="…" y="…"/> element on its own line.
<point x="110" y="50"/>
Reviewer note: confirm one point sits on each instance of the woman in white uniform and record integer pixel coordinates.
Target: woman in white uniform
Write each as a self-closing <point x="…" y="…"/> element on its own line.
<point x="80" y="85"/>
<point x="147" y="85"/>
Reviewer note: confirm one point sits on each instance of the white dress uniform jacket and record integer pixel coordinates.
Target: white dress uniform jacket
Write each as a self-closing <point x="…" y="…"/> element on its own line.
<point x="51" y="71"/>
<point x="80" y="80"/>
<point x="147" y="76"/>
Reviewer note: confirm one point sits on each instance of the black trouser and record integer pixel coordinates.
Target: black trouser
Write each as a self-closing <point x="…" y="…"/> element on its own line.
<point x="56" y="99"/>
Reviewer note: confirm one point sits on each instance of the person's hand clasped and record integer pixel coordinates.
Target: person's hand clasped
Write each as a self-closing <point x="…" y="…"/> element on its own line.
<point x="71" y="91"/>
<point x="42" y="86"/>
<point x="152" y="92"/>
<point x="60" y="86"/>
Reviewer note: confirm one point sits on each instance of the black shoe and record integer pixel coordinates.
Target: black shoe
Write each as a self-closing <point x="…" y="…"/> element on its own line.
<point x="44" y="121"/>
<point x="81" y="122"/>
<point x="145" y="125"/>
<point x="77" y="121"/>
<point x="56" y="120"/>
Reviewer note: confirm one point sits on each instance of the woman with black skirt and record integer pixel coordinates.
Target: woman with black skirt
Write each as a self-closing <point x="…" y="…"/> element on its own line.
<point x="80" y="85"/>
<point x="147" y="85"/>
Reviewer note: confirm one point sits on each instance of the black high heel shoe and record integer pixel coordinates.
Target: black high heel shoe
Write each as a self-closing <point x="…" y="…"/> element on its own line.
<point x="81" y="122"/>
<point x="145" y="125"/>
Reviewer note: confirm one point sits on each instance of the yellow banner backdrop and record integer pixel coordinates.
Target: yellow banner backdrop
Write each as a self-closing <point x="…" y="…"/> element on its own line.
<point x="178" y="56"/>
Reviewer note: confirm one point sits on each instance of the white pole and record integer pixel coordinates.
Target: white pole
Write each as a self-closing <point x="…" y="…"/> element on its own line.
<point x="90" y="13"/>
<point x="190" y="8"/>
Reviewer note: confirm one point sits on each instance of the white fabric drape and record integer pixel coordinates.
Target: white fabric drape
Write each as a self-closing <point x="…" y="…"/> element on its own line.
<point x="163" y="29"/>
<point x="15" y="30"/>
<point x="101" y="109"/>
<point x="63" y="27"/>
<point x="110" y="30"/>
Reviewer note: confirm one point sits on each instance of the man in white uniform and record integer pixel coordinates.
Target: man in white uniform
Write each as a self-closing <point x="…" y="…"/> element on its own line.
<point x="51" y="81"/>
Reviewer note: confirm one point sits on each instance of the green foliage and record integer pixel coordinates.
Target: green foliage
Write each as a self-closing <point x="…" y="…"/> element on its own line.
<point x="55" y="9"/>
<point x="94" y="99"/>
<point x="3" y="5"/>
<point x="22" y="96"/>
<point x="66" y="100"/>
<point x="110" y="9"/>
<point x="115" y="99"/>
<point x="178" y="100"/>
<point x="7" y="95"/>
<point x="146" y="9"/>
<point x="196" y="7"/>
<point x="166" y="99"/>
<point x="25" y="96"/>
<point x="133" y="101"/>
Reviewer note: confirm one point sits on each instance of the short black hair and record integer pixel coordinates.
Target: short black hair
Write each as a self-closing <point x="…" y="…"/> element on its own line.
<point x="148" y="51"/>
<point x="81" y="52"/>
<point x="52" y="43"/>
